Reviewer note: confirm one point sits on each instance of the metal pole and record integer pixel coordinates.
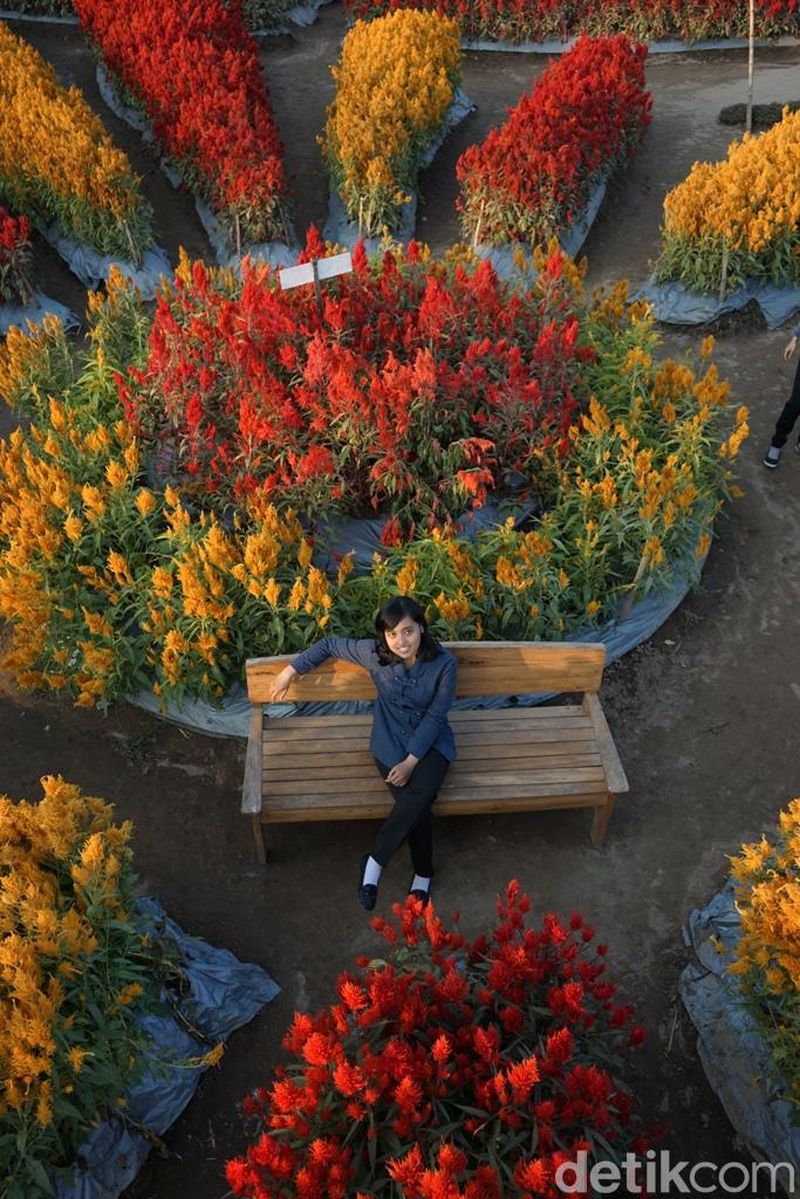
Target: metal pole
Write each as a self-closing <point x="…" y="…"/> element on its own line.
<point x="750" y="57"/>
<point x="317" y="289"/>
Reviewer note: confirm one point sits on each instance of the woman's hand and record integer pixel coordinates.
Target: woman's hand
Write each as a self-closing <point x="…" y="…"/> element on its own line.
<point x="789" y="348"/>
<point x="281" y="684"/>
<point x="399" y="775"/>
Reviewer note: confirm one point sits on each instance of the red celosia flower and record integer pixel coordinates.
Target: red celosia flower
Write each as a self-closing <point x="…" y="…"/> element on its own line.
<point x="408" y="1058"/>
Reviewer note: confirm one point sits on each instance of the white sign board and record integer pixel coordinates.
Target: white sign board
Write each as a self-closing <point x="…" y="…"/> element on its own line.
<point x="327" y="268"/>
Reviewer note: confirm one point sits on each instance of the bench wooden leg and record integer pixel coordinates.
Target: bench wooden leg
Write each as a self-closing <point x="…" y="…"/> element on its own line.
<point x="602" y="815"/>
<point x="260" y="839"/>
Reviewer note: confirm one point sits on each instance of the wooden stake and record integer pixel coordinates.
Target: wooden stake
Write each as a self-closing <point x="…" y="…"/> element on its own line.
<point x="751" y="44"/>
<point x="317" y="289"/>
<point x="625" y="611"/>
<point x="724" y="273"/>
<point x="479" y="223"/>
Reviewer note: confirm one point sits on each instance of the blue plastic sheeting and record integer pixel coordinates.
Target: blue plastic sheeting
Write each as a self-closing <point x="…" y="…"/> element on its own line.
<point x="92" y="268"/>
<point x="671" y="47"/>
<point x="277" y="253"/>
<point x="301" y="14"/>
<point x="35" y="312"/>
<point x="224" y="994"/>
<point x="232" y="717"/>
<point x="342" y="535"/>
<point x="341" y="231"/>
<point x="50" y="18"/>
<point x="503" y="258"/>
<point x="675" y="304"/>
<point x="734" y="1054"/>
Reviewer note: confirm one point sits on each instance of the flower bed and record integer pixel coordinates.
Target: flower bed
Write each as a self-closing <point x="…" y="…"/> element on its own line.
<point x="766" y="877"/>
<point x="647" y="20"/>
<point x="194" y="71"/>
<point x="109" y="585"/>
<point x="737" y="220"/>
<point x="453" y="1068"/>
<point x="423" y="389"/>
<point x="530" y="179"/>
<point x="57" y="163"/>
<point x="396" y="79"/>
<point x="73" y="976"/>
<point x="15" y="259"/>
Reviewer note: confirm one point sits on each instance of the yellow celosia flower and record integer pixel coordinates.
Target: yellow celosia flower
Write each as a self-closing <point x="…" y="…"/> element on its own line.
<point x="61" y="160"/>
<point x="395" y="81"/>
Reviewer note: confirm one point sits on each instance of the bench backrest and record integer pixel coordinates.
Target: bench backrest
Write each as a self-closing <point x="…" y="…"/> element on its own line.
<point x="484" y="668"/>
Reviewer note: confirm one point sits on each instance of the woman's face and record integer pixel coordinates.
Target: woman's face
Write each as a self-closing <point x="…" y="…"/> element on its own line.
<point x="404" y="639"/>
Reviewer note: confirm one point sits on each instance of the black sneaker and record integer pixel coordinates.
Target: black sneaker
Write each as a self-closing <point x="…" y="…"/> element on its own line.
<point x="773" y="456"/>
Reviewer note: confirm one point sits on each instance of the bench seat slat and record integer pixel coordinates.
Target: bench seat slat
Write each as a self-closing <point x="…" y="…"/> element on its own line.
<point x="289" y="772"/>
<point x="358" y="755"/>
<point x="377" y="800"/>
<point x="456" y="716"/>
<point x="455" y="781"/>
<point x="286" y="733"/>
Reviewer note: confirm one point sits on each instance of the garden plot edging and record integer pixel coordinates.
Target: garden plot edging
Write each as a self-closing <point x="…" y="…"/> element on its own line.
<point x="674" y="304"/>
<point x="341" y="231"/>
<point x="277" y="253"/>
<point x="667" y="47"/>
<point x="34" y="313"/>
<point x="224" y="995"/>
<point x="735" y="1056"/>
<point x="503" y="258"/>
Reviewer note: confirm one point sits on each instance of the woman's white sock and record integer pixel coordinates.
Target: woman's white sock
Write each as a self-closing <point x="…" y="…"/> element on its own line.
<point x="420" y="883"/>
<point x="372" y="873"/>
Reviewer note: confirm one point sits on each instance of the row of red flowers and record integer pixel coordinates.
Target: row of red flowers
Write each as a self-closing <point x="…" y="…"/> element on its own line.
<point x="651" y="20"/>
<point x="15" y="257"/>
<point x="453" y="1070"/>
<point x="422" y="387"/>
<point x="194" y="71"/>
<point x="584" y="116"/>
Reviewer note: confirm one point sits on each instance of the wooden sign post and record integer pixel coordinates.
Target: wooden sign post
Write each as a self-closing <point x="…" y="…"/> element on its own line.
<point x="314" y="272"/>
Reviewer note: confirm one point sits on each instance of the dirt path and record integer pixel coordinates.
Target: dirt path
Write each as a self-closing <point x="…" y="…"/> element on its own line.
<point x="703" y="714"/>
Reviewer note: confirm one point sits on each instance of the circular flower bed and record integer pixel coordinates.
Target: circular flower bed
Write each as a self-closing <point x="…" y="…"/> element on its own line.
<point x="110" y="582"/>
<point x="451" y="1069"/>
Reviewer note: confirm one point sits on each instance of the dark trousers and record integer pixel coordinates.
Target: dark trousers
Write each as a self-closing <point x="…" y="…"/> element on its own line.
<point x="791" y="411"/>
<point x="411" y="819"/>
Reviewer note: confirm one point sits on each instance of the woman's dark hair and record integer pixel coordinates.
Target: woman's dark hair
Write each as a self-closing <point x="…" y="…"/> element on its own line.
<point x="390" y="615"/>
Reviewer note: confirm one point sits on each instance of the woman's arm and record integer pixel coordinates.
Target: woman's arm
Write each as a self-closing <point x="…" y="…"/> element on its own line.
<point x="348" y="649"/>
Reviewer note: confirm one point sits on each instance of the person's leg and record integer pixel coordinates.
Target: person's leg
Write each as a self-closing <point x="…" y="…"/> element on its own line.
<point x="412" y="805"/>
<point x="788" y="417"/>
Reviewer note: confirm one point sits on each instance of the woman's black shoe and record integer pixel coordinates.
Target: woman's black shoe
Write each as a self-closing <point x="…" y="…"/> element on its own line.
<point x="367" y="892"/>
<point x="423" y="896"/>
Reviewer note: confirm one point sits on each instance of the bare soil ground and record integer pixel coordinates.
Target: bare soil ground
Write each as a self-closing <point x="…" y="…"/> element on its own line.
<point x="705" y="714"/>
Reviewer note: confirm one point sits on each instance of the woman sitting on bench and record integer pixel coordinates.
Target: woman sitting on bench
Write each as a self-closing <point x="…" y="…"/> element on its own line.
<point x="412" y="742"/>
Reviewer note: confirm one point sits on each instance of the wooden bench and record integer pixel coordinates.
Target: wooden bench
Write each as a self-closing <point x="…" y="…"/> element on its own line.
<point x="301" y="768"/>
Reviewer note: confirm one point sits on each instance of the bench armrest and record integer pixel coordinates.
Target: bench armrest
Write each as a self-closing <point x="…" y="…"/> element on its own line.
<point x="251" y="787"/>
<point x="612" y="765"/>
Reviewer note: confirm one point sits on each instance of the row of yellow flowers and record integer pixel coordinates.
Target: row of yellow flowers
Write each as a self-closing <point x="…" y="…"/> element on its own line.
<point x="740" y="218"/>
<point x="109" y="585"/>
<point x="766" y="877"/>
<point x="395" y="81"/>
<point x="72" y="972"/>
<point x="78" y="969"/>
<point x="57" y="162"/>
